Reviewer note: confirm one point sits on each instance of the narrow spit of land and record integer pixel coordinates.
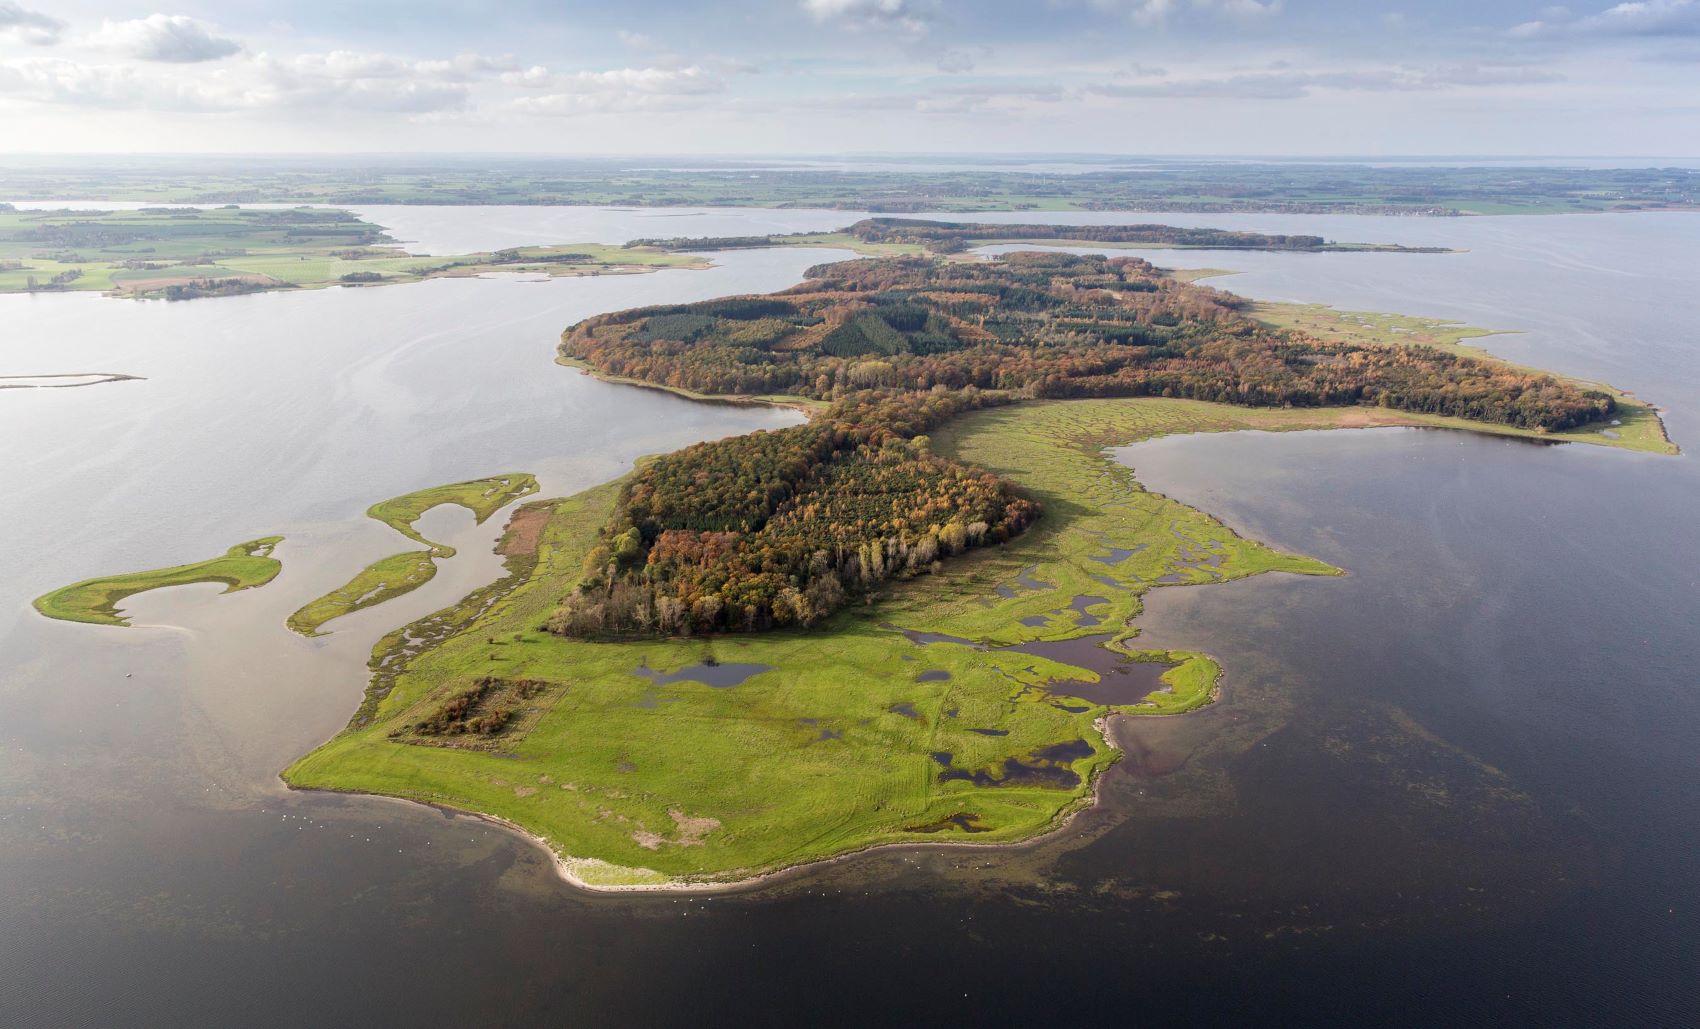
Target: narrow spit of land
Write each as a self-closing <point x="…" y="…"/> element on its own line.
<point x="244" y="566"/>
<point x="390" y="577"/>
<point x="959" y="696"/>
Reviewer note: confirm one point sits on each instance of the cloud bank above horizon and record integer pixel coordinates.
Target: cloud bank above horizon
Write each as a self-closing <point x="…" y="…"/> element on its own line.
<point x="792" y="76"/>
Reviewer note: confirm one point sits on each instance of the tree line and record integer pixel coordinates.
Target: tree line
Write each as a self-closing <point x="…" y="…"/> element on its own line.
<point x="782" y="528"/>
<point x="1047" y="325"/>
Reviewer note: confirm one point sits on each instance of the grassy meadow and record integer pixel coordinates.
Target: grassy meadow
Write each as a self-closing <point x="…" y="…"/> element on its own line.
<point x="853" y="734"/>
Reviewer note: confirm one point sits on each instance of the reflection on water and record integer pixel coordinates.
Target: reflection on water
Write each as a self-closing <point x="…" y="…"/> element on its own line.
<point x="1470" y="761"/>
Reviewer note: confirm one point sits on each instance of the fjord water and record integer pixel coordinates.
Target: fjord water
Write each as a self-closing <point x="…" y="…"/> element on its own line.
<point x="1459" y="784"/>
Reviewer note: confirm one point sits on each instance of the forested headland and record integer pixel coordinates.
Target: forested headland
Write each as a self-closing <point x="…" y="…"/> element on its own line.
<point x="781" y="528"/>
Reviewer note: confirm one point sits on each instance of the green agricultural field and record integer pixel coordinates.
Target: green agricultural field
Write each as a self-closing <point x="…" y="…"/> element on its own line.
<point x="398" y="574"/>
<point x="244" y="566"/>
<point x="184" y="253"/>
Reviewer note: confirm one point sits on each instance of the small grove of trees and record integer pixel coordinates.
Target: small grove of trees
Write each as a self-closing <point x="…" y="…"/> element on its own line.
<point x="212" y="288"/>
<point x="781" y="528"/>
<point x="484" y="708"/>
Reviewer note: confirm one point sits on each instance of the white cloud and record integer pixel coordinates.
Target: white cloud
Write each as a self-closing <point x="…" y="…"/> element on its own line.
<point x="467" y="66"/>
<point x="28" y="26"/>
<point x="906" y="15"/>
<point x="1642" y="18"/>
<point x="954" y="61"/>
<point x="638" y="40"/>
<point x="1145" y="12"/>
<point x="619" y="89"/>
<point x="1243" y="10"/>
<point x="1156" y="12"/>
<point x="338" y="81"/>
<point x="1290" y="84"/>
<point x="172" y="38"/>
<point x="356" y="64"/>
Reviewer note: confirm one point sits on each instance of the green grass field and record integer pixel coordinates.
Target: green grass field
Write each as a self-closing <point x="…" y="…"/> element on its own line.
<point x="244" y="566"/>
<point x="398" y="574"/>
<point x="384" y="579"/>
<point x="841" y="742"/>
<point x="859" y="732"/>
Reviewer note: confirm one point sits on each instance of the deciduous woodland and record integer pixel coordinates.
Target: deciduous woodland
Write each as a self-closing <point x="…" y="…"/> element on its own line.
<point x="780" y="528"/>
<point x="1046" y="325"/>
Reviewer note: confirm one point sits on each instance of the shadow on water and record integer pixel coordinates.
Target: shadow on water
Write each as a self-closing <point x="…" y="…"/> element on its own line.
<point x="718" y="676"/>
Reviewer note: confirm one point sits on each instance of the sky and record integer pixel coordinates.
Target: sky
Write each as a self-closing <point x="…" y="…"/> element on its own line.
<point x="1265" y="77"/>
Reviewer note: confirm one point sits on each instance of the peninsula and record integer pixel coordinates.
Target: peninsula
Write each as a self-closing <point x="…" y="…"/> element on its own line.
<point x="909" y="620"/>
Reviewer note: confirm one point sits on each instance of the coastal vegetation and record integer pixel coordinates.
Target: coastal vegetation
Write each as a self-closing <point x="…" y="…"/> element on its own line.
<point x="1048" y="325"/>
<point x="780" y="528"/>
<point x="398" y="574"/>
<point x="1632" y="425"/>
<point x="244" y="566"/>
<point x="483" y="497"/>
<point x="907" y="620"/>
<point x="189" y="253"/>
<point x="921" y="716"/>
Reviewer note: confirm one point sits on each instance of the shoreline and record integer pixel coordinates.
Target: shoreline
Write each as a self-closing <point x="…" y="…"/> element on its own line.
<point x="88" y="379"/>
<point x="801" y="405"/>
<point x="567" y="867"/>
<point x="595" y="875"/>
<point x="577" y="872"/>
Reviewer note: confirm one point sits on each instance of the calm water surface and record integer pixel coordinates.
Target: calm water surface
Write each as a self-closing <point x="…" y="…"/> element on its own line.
<point x="1459" y="784"/>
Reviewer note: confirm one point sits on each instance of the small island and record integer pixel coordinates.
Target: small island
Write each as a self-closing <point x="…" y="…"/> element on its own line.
<point x="910" y="619"/>
<point x="245" y="566"/>
<point x="897" y="237"/>
<point x="399" y="574"/>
